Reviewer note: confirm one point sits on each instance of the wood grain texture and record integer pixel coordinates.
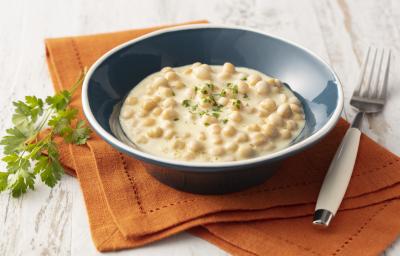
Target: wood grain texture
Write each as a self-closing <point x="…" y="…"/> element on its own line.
<point x="53" y="221"/>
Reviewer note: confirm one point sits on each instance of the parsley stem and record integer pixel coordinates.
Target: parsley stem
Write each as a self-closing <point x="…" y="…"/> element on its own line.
<point x="79" y="81"/>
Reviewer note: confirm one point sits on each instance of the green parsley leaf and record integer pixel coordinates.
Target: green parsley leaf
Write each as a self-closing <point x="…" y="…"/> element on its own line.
<point x="25" y="154"/>
<point x="59" y="101"/>
<point x="14" y="141"/>
<point x="79" y="135"/>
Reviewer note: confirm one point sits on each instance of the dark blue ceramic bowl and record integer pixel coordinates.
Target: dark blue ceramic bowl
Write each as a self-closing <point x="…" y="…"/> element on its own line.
<point x="111" y="78"/>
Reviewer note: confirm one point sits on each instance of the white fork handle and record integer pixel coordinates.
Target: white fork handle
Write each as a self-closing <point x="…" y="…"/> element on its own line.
<point x="337" y="178"/>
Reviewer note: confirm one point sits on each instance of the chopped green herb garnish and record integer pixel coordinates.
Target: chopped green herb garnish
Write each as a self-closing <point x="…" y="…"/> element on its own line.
<point x="194" y="107"/>
<point x="235" y="90"/>
<point x="217" y="108"/>
<point x="237" y="103"/>
<point x="206" y="124"/>
<point x="225" y="120"/>
<point x="243" y="78"/>
<point x="186" y="103"/>
<point x="176" y="119"/>
<point x="245" y="96"/>
<point x="215" y="114"/>
<point x="222" y="93"/>
<point x="202" y="113"/>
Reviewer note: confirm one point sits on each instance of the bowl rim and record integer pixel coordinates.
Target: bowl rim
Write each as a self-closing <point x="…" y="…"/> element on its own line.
<point x="208" y="165"/>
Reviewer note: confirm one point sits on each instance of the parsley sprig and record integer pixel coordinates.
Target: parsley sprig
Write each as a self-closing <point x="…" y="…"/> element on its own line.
<point x="29" y="146"/>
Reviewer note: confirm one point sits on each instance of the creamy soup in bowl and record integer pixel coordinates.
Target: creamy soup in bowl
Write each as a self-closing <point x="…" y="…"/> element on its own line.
<point x="211" y="113"/>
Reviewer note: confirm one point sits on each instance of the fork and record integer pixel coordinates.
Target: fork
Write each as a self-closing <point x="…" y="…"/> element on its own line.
<point x="366" y="99"/>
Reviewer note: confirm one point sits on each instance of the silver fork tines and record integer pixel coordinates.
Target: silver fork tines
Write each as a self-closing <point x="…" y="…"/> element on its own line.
<point x="370" y="93"/>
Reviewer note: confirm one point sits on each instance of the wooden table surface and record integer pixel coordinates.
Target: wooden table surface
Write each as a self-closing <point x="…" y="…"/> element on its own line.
<point x="53" y="221"/>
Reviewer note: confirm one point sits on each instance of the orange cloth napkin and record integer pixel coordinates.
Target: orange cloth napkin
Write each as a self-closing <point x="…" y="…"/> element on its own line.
<point x="128" y="208"/>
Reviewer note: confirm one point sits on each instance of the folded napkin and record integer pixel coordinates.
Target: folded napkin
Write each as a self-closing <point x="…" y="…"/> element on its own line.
<point x="128" y="208"/>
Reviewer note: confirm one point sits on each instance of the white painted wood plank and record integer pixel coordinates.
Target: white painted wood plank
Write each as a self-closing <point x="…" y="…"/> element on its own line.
<point x="54" y="222"/>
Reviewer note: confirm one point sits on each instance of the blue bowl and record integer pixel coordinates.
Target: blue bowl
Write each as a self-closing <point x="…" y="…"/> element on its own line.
<point x="111" y="78"/>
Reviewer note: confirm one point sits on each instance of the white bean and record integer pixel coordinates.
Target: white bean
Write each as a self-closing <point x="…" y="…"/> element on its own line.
<point x="166" y="69"/>
<point x="195" y="146"/>
<point x="253" y="128"/>
<point x="228" y="68"/>
<point x="149" y="121"/>
<point x="131" y="100"/>
<point x="202" y="73"/>
<point x="294" y="100"/>
<point x="196" y="64"/>
<point x="242" y="137"/>
<point x="268" y="104"/>
<point x="285" y="133"/>
<point x="215" y="128"/>
<point x="189" y="93"/>
<point x="207" y="120"/>
<point x="277" y="82"/>
<point x="217" y="151"/>
<point x="270" y="130"/>
<point x="160" y="81"/>
<point x="253" y="79"/>
<point x="275" y="119"/>
<point x="155" y="132"/>
<point x="235" y="116"/>
<point x="166" y="91"/>
<point x="262" y="113"/>
<point x="228" y="131"/>
<point x="262" y="87"/>
<point x="142" y="140"/>
<point x="177" y="84"/>
<point x="149" y="104"/>
<point x="223" y="101"/>
<point x="178" y="144"/>
<point x="189" y="156"/>
<point x="157" y="111"/>
<point x="245" y="151"/>
<point x="169" y="114"/>
<point x="231" y="146"/>
<point x="298" y="117"/>
<point x="284" y="110"/>
<point x="202" y="136"/>
<point x="295" y="108"/>
<point x="243" y="87"/>
<point x="127" y="113"/>
<point x="283" y="97"/>
<point x="143" y="113"/>
<point x="169" y="134"/>
<point x="169" y="103"/>
<point x="207" y="67"/>
<point x="258" y="138"/>
<point x="216" y="139"/>
<point x="291" y="125"/>
<point x="171" y="76"/>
